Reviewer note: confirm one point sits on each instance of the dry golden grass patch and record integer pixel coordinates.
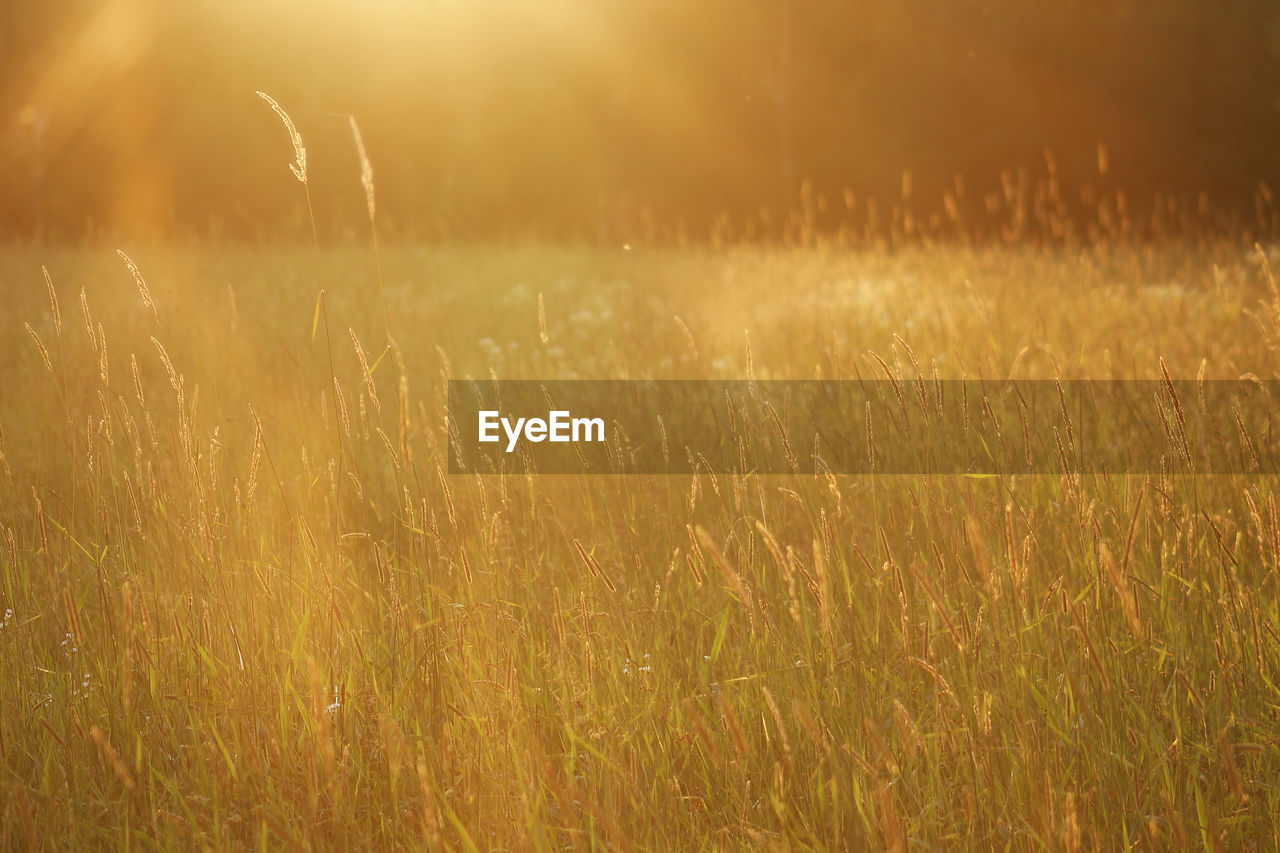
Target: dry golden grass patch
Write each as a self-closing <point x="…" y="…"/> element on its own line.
<point x="245" y="606"/>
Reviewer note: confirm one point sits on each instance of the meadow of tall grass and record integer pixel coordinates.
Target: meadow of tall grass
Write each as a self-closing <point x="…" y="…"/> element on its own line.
<point x="244" y="605"/>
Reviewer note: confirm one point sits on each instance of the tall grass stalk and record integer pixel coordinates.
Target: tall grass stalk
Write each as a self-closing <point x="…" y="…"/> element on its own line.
<point x="299" y="164"/>
<point x="366" y="181"/>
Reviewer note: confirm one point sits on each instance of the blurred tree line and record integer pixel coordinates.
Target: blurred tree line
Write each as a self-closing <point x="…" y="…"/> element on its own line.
<point x="589" y="117"/>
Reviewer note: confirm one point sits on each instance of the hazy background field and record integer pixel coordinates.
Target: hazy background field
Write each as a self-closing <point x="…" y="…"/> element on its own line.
<point x="243" y="605"/>
<point x="576" y="118"/>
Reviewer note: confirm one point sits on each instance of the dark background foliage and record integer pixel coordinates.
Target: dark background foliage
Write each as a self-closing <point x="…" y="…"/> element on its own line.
<point x="490" y="117"/>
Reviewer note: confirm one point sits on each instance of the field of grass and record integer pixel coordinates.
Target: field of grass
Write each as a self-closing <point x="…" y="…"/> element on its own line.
<point x="244" y="605"/>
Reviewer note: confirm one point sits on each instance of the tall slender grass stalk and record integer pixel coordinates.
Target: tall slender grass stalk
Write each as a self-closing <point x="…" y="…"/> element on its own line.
<point x="338" y="418"/>
<point x="299" y="164"/>
<point x="366" y="181"/>
<point x="142" y="284"/>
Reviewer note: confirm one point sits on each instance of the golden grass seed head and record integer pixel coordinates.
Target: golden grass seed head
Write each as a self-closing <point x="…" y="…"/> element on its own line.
<point x="299" y="164"/>
<point x="142" y="284"/>
<point x="103" y="365"/>
<point x="366" y="169"/>
<point x="168" y="365"/>
<point x="44" y="353"/>
<point x="137" y="380"/>
<point x="53" y="301"/>
<point x="364" y="369"/>
<point x="88" y="319"/>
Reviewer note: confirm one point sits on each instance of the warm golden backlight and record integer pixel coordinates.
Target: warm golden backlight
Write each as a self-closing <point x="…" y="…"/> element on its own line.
<point x="270" y="581"/>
